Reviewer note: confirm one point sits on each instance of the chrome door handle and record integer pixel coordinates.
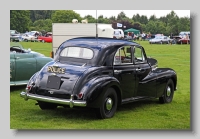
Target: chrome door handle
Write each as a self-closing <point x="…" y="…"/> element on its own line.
<point x="138" y="69"/>
<point x="117" y="71"/>
<point x="17" y="57"/>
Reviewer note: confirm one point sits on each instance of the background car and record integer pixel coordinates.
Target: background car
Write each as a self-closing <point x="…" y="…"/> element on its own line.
<point x="24" y="63"/>
<point x="46" y="38"/>
<point x="27" y="37"/>
<point x="15" y="36"/>
<point x="101" y="74"/>
<point x="184" y="33"/>
<point x="181" y="40"/>
<point x="160" y="40"/>
<point x="118" y="34"/>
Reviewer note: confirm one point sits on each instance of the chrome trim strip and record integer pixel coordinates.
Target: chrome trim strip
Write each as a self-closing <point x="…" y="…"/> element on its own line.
<point x="69" y="102"/>
<point x="14" y="84"/>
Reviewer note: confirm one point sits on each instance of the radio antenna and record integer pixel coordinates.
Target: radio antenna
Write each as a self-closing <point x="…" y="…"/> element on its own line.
<point x="96" y="26"/>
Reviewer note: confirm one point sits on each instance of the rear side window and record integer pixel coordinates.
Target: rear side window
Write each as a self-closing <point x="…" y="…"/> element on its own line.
<point x="77" y="52"/>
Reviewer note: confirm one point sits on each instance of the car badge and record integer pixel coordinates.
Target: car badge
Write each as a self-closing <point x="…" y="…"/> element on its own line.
<point x="57" y="69"/>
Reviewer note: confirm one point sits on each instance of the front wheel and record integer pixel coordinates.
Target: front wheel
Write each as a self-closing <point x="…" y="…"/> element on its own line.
<point x="168" y="92"/>
<point x="108" y="105"/>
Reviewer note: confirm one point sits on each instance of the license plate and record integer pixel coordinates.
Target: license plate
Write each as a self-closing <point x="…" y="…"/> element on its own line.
<point x="53" y="82"/>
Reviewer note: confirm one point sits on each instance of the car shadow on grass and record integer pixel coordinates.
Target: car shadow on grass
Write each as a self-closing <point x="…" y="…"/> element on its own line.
<point x="84" y="113"/>
<point x="17" y="88"/>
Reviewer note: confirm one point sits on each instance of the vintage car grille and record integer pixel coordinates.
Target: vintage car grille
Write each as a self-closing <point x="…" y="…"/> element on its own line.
<point x="55" y="94"/>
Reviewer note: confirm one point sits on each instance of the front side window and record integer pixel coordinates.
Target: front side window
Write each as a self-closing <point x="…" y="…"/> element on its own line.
<point x="77" y="52"/>
<point x="138" y="55"/>
<point x="123" y="56"/>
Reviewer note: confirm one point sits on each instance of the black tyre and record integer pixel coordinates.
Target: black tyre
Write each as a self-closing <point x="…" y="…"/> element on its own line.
<point x="168" y="92"/>
<point x="108" y="105"/>
<point x="46" y="105"/>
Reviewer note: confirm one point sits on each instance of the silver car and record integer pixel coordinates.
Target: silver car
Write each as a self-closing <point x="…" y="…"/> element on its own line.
<point x="160" y="40"/>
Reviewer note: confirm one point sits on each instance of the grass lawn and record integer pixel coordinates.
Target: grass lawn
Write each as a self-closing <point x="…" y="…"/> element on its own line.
<point x="137" y="115"/>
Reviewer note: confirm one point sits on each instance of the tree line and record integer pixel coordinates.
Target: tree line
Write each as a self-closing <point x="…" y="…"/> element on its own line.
<point x="41" y="20"/>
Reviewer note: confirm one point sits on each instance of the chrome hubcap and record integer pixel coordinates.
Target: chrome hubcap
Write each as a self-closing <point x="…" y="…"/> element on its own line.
<point x="168" y="91"/>
<point x="109" y="104"/>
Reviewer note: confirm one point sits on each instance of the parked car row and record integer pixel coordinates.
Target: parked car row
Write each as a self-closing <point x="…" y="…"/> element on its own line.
<point x="30" y="36"/>
<point x="167" y="40"/>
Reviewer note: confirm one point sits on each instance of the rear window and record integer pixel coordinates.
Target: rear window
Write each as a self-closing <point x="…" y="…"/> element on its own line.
<point x="77" y="52"/>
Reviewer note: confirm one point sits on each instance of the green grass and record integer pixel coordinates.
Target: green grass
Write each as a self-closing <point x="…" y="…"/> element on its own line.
<point x="138" y="115"/>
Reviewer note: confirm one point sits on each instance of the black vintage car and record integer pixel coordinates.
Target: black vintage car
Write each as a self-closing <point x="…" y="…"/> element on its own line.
<point x="102" y="74"/>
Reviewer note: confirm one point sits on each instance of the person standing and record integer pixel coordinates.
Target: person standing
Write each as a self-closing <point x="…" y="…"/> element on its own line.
<point x="133" y="35"/>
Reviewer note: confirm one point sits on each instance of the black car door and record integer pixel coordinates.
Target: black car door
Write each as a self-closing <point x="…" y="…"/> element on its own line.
<point x="145" y="83"/>
<point x="124" y="71"/>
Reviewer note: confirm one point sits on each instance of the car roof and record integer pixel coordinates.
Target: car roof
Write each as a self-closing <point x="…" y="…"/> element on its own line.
<point x="99" y="42"/>
<point x="102" y="47"/>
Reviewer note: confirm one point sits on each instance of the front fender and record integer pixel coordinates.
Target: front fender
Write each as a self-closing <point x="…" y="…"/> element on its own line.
<point x="94" y="89"/>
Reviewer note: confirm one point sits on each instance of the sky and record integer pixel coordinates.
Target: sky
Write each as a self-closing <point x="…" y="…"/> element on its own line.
<point x="130" y="13"/>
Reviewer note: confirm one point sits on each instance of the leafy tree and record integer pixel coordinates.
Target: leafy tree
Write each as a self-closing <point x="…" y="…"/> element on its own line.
<point x="136" y="18"/>
<point x="184" y="24"/>
<point x="121" y="16"/>
<point x="65" y="16"/>
<point x="101" y="19"/>
<point x="90" y="19"/>
<point x="137" y="26"/>
<point x="112" y="19"/>
<point x="163" y="19"/>
<point x="173" y="23"/>
<point x="152" y="18"/>
<point x="160" y="27"/>
<point x="143" y="19"/>
<point x="40" y="14"/>
<point x="151" y="27"/>
<point x="20" y="20"/>
<point x="42" y="24"/>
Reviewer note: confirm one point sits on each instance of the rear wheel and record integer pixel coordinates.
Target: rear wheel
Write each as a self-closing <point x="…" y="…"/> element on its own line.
<point x="43" y="41"/>
<point x="168" y="92"/>
<point x="46" y="105"/>
<point x="108" y="105"/>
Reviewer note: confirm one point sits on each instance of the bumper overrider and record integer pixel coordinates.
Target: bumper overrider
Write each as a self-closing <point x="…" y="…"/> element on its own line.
<point x="71" y="102"/>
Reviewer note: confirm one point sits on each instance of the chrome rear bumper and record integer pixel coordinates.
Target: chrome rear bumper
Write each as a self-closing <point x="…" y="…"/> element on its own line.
<point x="69" y="102"/>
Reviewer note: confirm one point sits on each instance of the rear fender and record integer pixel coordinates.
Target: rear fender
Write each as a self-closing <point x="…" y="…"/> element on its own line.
<point x="94" y="89"/>
<point x="163" y="75"/>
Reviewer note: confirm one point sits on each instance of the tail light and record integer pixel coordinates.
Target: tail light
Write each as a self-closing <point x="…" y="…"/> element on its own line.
<point x="80" y="95"/>
<point x="29" y="87"/>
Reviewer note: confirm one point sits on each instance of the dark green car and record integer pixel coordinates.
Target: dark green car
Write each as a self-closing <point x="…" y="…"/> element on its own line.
<point x="24" y="63"/>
